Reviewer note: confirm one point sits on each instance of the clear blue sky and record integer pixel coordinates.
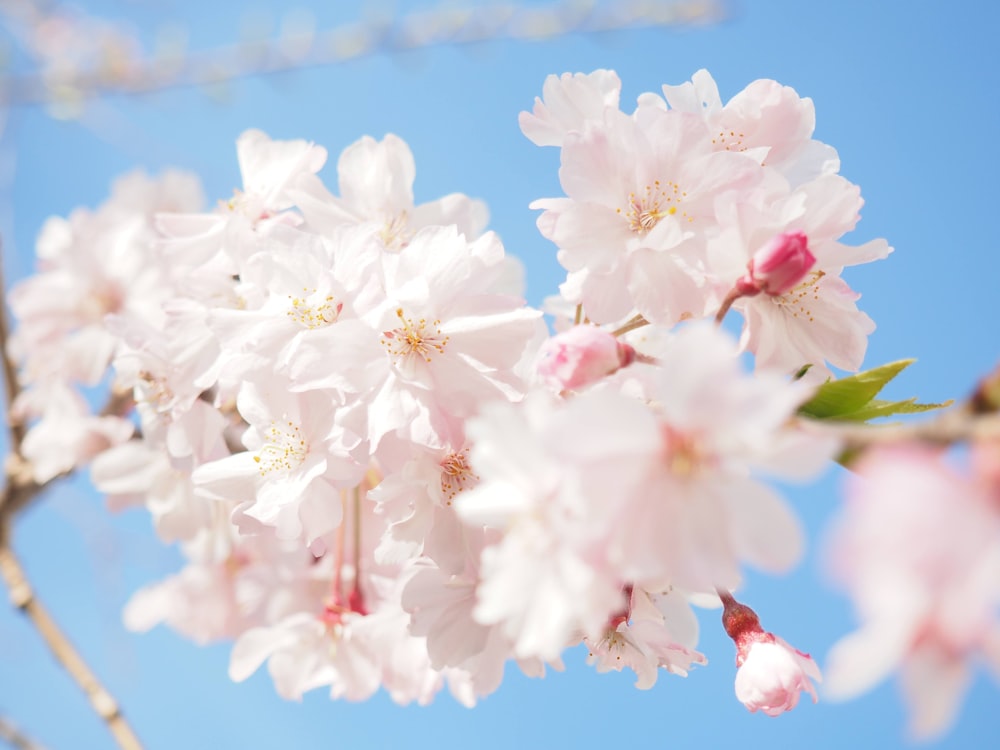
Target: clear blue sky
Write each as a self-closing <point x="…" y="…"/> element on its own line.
<point x="906" y="91"/>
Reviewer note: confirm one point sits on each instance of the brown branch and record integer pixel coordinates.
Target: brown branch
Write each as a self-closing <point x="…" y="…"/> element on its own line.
<point x="11" y="385"/>
<point x="21" y="486"/>
<point x="20" y="490"/>
<point x="957" y="426"/>
<point x="23" y="598"/>
<point x="15" y="737"/>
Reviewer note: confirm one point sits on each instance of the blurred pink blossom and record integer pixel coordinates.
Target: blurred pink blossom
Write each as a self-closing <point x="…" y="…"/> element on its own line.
<point x="580" y="356"/>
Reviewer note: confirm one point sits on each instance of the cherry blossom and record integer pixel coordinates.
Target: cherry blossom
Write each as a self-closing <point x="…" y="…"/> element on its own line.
<point x="376" y="187"/>
<point x="95" y="264"/>
<point x="696" y="511"/>
<point x="766" y="119"/>
<point x="817" y="320"/>
<point x="640" y="639"/>
<point x="226" y="237"/>
<point x="568" y="102"/>
<point x="641" y="202"/>
<point x="66" y="433"/>
<point x="917" y="550"/>
<point x="296" y="458"/>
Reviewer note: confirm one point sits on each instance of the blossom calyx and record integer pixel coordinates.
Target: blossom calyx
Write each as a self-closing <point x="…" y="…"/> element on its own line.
<point x="582" y="355"/>
<point x="777" y="266"/>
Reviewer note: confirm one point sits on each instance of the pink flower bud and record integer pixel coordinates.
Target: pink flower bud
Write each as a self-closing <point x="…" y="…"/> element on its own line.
<point x="771" y="674"/>
<point x="778" y="266"/>
<point x="584" y="354"/>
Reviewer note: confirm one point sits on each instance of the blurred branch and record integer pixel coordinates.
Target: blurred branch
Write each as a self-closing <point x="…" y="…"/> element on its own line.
<point x="23" y="598"/>
<point x="18" y="491"/>
<point x="16" y="738"/>
<point x="951" y="427"/>
<point x="74" y="65"/>
<point x="11" y="385"/>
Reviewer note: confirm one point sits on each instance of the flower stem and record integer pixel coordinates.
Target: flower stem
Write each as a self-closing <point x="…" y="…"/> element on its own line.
<point x="356" y="599"/>
<point x="637" y="322"/>
<point x="733" y="295"/>
<point x="338" y="554"/>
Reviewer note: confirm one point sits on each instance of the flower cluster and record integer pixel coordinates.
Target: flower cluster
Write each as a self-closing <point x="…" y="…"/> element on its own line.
<point x="666" y="208"/>
<point x="383" y="471"/>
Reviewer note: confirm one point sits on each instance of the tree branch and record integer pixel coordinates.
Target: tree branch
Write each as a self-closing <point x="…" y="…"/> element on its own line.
<point x="15" y="737"/>
<point x="957" y="426"/>
<point x="11" y="385"/>
<point x="23" y="598"/>
<point x="19" y="490"/>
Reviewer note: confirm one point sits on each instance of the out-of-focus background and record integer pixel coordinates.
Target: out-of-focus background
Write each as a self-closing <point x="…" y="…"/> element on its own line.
<point x="908" y="94"/>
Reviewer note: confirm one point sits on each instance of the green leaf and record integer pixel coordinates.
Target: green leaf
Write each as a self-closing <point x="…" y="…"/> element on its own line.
<point x="835" y="399"/>
<point x="878" y="408"/>
<point x="853" y="398"/>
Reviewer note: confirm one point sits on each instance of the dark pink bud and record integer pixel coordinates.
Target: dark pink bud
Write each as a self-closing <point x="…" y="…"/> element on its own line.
<point x="742" y="625"/>
<point x="778" y="266"/>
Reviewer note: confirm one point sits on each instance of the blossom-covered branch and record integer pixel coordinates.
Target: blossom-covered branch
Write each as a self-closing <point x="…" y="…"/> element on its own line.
<point x="383" y="470"/>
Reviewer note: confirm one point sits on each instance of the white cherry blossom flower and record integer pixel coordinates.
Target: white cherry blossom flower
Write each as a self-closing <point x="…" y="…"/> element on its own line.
<point x="296" y="460"/>
<point x="568" y="102"/>
<point x="768" y="120"/>
<point x="376" y="187"/>
<point x="641" y="202"/>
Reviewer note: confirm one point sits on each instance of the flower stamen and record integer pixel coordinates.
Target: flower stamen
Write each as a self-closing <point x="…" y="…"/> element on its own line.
<point x="456" y="474"/>
<point x="313" y="311"/>
<point x="796" y="298"/>
<point x="414" y="337"/>
<point x="284" y="451"/>
<point x="658" y="201"/>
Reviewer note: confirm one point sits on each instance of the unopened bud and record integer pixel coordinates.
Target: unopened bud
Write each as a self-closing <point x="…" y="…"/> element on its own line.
<point x="771" y="673"/>
<point x="582" y="355"/>
<point x="778" y="266"/>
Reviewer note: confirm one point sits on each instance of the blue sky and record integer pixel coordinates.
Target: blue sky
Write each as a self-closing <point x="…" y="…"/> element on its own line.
<point x="907" y="93"/>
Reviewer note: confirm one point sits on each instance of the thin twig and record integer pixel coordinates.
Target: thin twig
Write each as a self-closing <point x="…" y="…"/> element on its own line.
<point x="23" y="598"/>
<point x="635" y="322"/>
